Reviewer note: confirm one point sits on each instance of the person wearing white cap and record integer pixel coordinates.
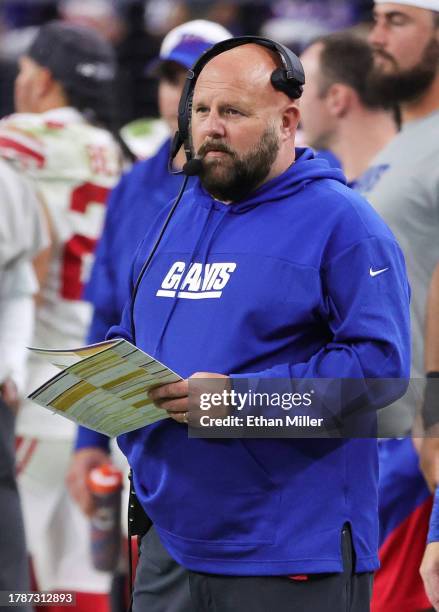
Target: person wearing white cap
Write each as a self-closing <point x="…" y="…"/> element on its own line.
<point x="133" y="205"/>
<point x="402" y="183"/>
<point x="430" y="5"/>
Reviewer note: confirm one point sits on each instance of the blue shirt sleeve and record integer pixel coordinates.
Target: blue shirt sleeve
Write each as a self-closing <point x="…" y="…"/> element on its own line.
<point x="123" y="329"/>
<point x="87" y="438"/>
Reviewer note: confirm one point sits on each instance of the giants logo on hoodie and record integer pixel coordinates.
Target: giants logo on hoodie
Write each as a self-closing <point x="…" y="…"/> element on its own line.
<point x="198" y="282"/>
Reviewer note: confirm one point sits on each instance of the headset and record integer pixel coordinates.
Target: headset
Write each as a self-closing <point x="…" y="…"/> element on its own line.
<point x="289" y="79"/>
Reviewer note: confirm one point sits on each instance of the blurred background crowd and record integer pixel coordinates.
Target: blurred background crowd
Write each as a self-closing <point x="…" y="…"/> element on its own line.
<point x="136" y="29"/>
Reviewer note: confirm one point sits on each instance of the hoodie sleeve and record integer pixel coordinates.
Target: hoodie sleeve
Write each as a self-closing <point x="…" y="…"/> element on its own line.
<point x="123" y="329"/>
<point x="366" y="300"/>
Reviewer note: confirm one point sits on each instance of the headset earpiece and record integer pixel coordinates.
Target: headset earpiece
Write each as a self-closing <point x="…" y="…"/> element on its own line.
<point x="291" y="87"/>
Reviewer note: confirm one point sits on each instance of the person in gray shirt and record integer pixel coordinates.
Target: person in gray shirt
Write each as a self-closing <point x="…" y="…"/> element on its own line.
<point x="402" y="183"/>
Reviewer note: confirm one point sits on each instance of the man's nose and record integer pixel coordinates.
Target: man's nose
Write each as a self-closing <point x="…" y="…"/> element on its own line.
<point x="377" y="36"/>
<point x="214" y="125"/>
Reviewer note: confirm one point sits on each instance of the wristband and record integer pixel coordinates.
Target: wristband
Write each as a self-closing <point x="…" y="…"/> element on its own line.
<point x="430" y="404"/>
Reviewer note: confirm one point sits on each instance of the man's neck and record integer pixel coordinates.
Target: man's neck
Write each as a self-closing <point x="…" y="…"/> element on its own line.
<point x="424" y="106"/>
<point x="285" y="158"/>
<point x="361" y="136"/>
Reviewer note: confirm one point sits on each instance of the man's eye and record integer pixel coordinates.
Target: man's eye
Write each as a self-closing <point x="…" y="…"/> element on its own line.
<point x="232" y="111"/>
<point x="398" y="20"/>
<point x="201" y="109"/>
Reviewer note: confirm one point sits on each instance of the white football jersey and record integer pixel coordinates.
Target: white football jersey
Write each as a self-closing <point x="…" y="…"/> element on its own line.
<point x="23" y="234"/>
<point x="73" y="165"/>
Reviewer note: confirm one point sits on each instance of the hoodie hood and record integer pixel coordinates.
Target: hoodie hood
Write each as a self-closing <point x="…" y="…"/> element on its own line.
<point x="305" y="169"/>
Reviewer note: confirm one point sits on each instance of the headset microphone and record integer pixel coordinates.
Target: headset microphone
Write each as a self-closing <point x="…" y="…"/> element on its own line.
<point x="193" y="167"/>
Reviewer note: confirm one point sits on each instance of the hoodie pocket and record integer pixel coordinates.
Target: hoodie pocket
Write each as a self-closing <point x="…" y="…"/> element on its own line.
<point x="258" y="466"/>
<point x="227" y="496"/>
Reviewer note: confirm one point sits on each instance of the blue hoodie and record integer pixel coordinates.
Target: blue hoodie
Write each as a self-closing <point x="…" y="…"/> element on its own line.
<point x="291" y="295"/>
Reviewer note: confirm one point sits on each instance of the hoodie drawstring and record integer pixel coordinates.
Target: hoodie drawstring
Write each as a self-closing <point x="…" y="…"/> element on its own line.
<point x="190" y="261"/>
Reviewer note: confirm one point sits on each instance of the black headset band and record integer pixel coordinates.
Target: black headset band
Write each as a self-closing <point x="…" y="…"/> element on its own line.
<point x="291" y="62"/>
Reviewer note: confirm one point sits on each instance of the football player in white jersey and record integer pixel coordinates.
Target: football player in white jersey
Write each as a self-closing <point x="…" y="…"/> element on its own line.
<point x="65" y="78"/>
<point x="22" y="235"/>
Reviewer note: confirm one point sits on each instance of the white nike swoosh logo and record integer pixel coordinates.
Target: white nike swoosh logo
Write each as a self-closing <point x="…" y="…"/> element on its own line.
<point x="376" y="272"/>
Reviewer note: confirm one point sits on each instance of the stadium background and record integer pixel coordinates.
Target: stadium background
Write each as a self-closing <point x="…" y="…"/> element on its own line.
<point x="136" y="29"/>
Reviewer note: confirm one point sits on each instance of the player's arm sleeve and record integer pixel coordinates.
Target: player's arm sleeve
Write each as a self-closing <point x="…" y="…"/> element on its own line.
<point x="368" y="316"/>
<point x="16" y="319"/>
<point x="38" y="221"/>
<point x="87" y="438"/>
<point x="22" y="144"/>
<point x="22" y="234"/>
<point x="23" y="231"/>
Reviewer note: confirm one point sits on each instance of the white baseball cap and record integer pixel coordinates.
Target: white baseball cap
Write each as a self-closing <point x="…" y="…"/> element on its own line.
<point x="431" y="5"/>
<point x="185" y="43"/>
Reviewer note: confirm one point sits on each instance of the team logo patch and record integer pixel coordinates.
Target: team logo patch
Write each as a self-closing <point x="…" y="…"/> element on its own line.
<point x="196" y="282"/>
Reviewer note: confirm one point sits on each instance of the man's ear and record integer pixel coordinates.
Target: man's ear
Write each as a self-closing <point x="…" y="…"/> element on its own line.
<point x="339" y="99"/>
<point x="44" y="83"/>
<point x="290" y="120"/>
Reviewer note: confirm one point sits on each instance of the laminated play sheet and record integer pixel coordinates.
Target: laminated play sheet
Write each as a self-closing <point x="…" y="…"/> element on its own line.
<point x="103" y="386"/>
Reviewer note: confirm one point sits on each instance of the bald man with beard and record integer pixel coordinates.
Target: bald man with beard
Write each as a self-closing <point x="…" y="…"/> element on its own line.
<point x="263" y="278"/>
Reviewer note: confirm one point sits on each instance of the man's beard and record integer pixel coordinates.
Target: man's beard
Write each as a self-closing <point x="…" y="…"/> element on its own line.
<point x="401" y="86"/>
<point x="231" y="177"/>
